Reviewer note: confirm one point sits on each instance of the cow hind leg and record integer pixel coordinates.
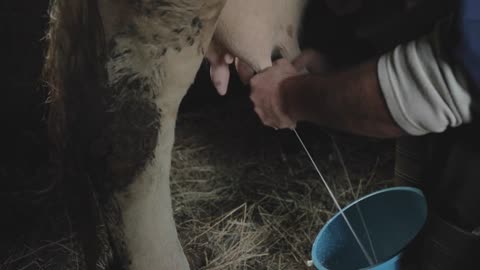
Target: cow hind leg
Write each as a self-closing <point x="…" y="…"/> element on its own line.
<point x="118" y="70"/>
<point x="151" y="62"/>
<point x="134" y="188"/>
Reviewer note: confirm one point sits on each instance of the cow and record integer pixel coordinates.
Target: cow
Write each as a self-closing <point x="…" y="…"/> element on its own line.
<point x="117" y="72"/>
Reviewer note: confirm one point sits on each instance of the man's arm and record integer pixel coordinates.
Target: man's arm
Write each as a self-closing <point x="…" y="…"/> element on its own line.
<point x="350" y="100"/>
<point x="425" y="88"/>
<point x="415" y="89"/>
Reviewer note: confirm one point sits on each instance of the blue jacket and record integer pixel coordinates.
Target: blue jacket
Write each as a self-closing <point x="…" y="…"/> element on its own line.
<point x="468" y="50"/>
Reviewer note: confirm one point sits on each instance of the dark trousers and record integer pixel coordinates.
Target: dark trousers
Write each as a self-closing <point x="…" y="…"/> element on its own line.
<point x="447" y="168"/>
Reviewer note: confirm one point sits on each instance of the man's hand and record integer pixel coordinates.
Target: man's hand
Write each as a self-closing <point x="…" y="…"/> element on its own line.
<point x="267" y="94"/>
<point x="349" y="100"/>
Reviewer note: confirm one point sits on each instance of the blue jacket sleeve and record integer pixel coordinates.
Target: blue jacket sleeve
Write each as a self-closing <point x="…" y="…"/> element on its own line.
<point x="468" y="50"/>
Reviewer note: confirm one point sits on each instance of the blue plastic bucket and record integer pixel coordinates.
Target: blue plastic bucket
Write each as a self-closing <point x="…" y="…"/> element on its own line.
<point x="392" y="218"/>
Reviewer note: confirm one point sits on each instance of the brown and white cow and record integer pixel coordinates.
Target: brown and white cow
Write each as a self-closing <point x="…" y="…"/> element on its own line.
<point x="118" y="70"/>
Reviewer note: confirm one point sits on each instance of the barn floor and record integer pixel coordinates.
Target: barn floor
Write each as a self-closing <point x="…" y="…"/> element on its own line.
<point x="245" y="196"/>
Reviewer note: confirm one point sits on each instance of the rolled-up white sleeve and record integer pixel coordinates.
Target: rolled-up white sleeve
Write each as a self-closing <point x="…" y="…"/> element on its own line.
<point x="424" y="91"/>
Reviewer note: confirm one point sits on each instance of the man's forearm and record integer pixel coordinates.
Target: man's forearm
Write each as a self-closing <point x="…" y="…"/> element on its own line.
<point x="351" y="101"/>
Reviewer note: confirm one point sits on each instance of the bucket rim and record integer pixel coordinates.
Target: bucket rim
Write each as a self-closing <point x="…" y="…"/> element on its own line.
<point x="391" y="189"/>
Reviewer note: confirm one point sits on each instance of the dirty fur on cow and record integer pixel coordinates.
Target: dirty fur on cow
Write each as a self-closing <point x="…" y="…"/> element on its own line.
<point x="117" y="70"/>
